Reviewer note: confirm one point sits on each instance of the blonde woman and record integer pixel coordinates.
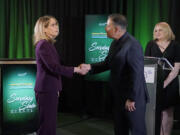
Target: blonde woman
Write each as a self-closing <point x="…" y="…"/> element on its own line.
<point x="49" y="71"/>
<point x="164" y="45"/>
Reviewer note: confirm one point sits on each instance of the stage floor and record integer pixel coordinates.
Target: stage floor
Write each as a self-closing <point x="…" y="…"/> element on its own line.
<point x="71" y="124"/>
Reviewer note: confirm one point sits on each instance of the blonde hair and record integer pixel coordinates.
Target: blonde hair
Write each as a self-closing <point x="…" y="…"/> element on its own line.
<point x="169" y="33"/>
<point x="41" y="24"/>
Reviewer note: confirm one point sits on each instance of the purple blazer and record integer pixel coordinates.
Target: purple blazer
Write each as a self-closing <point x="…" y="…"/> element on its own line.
<point x="49" y="68"/>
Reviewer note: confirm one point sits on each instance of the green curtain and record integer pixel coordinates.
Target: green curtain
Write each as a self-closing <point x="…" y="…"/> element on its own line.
<point x="2" y="30"/>
<point x="144" y="15"/>
<point x="17" y="19"/>
<point x="16" y="28"/>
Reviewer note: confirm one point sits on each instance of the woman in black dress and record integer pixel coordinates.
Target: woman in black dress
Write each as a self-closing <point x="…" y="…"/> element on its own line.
<point x="164" y="45"/>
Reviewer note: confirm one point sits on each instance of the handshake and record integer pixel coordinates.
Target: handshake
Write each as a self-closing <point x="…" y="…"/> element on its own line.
<point x="82" y="69"/>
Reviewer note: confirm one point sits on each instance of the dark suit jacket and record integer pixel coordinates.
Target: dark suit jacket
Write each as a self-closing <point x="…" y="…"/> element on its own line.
<point x="49" y="68"/>
<point x="126" y="63"/>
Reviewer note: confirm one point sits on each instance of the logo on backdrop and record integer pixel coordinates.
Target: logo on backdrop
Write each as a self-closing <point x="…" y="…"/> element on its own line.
<point x="103" y="24"/>
<point x="25" y="103"/>
<point x="103" y="50"/>
<point x="22" y="74"/>
<point x="98" y="35"/>
<point x="22" y="86"/>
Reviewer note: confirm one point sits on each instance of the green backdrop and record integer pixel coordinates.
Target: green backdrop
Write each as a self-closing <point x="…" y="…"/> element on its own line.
<point x="96" y="43"/>
<point x="19" y="104"/>
<point x="18" y="17"/>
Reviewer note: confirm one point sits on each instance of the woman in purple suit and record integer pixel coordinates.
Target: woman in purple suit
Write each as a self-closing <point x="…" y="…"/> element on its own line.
<point x="49" y="71"/>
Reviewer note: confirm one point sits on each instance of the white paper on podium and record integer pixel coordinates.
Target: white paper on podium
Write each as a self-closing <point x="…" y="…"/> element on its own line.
<point x="149" y="73"/>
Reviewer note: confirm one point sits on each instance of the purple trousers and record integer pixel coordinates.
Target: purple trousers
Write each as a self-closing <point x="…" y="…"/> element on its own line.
<point x="47" y="106"/>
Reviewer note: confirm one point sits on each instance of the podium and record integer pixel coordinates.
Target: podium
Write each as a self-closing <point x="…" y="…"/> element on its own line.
<point x="153" y="71"/>
<point x="18" y="109"/>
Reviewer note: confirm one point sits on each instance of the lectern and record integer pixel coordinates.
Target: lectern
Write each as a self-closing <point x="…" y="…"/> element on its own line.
<point x="153" y="70"/>
<point x="19" y="113"/>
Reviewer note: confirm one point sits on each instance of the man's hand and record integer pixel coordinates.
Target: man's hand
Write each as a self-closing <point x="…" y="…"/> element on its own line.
<point x="130" y="105"/>
<point x="82" y="69"/>
<point x="85" y="66"/>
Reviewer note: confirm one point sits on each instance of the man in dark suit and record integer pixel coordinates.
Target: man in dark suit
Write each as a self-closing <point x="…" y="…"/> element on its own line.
<point x="126" y="63"/>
